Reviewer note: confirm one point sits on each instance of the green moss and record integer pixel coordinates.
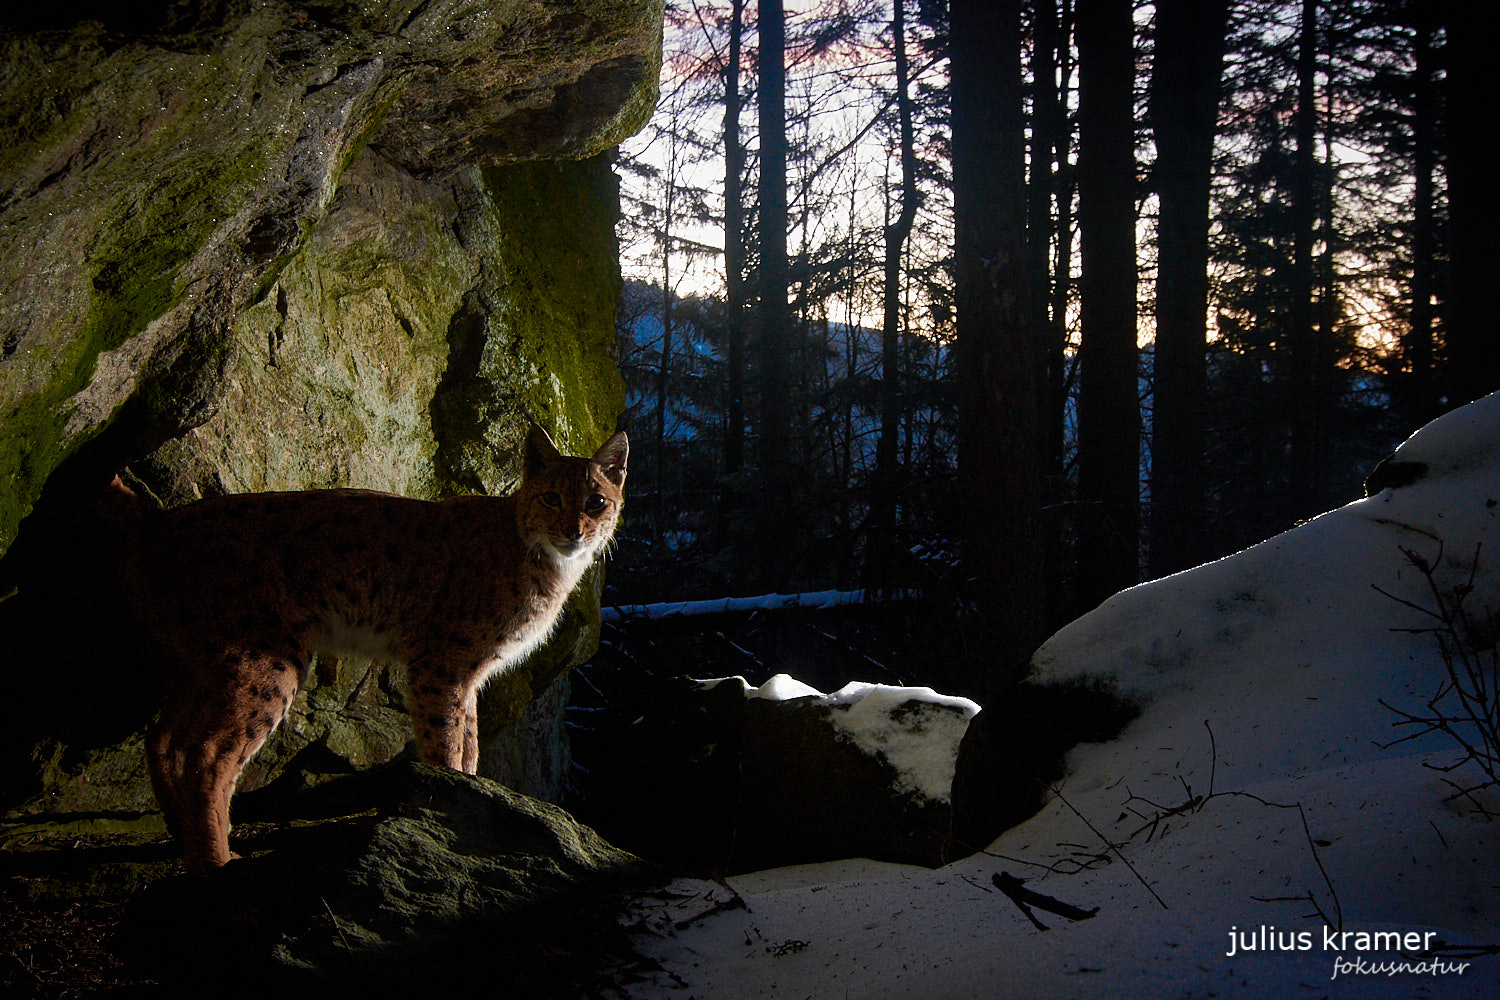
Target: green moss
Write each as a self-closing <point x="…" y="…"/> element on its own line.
<point x="29" y="451"/>
<point x="535" y="339"/>
<point x="84" y="856"/>
<point x="148" y="211"/>
<point x="82" y="777"/>
<point x="144" y="241"/>
<point x="637" y="111"/>
<point x="559" y="262"/>
<point x="109" y="880"/>
<point x="505" y="700"/>
<point x="45" y="94"/>
<point x="383" y="104"/>
<point x="135" y="264"/>
<point x="51" y="833"/>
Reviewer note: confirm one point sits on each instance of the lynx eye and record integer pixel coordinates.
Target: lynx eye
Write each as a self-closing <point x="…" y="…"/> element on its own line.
<point x="595" y="505"/>
<point x="552" y="498"/>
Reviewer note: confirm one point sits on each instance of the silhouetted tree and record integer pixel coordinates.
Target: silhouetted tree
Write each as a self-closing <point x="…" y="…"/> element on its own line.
<point x="775" y="321"/>
<point x="1474" y="204"/>
<point x="1108" y="394"/>
<point x="882" y="521"/>
<point x="735" y="292"/>
<point x="999" y="480"/>
<point x="1186" y="70"/>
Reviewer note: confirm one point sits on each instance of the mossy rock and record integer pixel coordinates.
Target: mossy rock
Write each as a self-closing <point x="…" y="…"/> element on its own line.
<point x="404" y="349"/>
<point x="165" y="163"/>
<point x="408" y="875"/>
<point x="109" y="856"/>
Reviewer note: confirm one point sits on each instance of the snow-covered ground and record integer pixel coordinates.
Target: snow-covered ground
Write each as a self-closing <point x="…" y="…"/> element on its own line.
<point x="1260" y="677"/>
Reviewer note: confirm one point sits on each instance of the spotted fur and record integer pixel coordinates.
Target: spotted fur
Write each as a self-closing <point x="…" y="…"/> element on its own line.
<point x="239" y="593"/>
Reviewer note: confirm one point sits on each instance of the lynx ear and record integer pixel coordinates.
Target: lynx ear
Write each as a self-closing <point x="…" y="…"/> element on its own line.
<point x="612" y="457"/>
<point x="540" y="451"/>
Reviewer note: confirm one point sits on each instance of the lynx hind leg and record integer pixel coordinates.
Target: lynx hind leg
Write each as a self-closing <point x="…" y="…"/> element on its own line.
<point x="164" y="779"/>
<point x="441" y="700"/>
<point x="206" y="734"/>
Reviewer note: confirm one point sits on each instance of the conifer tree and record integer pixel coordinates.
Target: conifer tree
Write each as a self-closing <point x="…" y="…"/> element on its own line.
<point x="1108" y="397"/>
<point x="999" y="481"/>
<point x="1185" y="75"/>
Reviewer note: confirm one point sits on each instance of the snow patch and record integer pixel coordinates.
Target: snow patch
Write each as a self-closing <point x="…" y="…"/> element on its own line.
<point x="915" y="729"/>
<point x="782" y="687"/>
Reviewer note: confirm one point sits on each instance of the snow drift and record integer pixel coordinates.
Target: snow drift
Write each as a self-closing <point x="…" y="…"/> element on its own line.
<point x="1254" y="832"/>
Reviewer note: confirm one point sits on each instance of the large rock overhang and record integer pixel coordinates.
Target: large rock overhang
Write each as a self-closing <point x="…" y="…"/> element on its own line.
<point x="161" y="162"/>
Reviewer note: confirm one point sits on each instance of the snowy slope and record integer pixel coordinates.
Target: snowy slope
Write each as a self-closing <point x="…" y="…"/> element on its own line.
<point x="1260" y="676"/>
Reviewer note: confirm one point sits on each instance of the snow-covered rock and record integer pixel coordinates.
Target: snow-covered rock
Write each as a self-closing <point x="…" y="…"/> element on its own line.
<point x="723" y="776"/>
<point x="1249" y="834"/>
<point x="914" y="730"/>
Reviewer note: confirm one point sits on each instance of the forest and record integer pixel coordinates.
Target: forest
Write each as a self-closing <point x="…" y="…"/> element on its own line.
<point x="1005" y="306"/>
<point x="942" y="324"/>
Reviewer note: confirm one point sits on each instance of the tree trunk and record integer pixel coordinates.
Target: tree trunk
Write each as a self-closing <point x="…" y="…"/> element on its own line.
<point x="775" y="446"/>
<point x="664" y="369"/>
<point x="1046" y="127"/>
<point x="1473" y="348"/>
<point x="853" y="330"/>
<point x="1057" y="552"/>
<point x="1108" y="398"/>
<point x="883" y="526"/>
<point x="1185" y="88"/>
<point x="1422" y="398"/>
<point x="734" y="247"/>
<point x="1056" y="419"/>
<point x="997" y="454"/>
<point x="1302" y="401"/>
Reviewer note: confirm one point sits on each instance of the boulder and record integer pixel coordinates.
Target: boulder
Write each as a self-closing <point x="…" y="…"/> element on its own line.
<point x="719" y="776"/>
<point x="391" y="881"/>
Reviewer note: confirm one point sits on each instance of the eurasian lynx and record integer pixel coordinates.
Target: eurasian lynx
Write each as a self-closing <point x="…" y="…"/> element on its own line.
<point x="239" y="592"/>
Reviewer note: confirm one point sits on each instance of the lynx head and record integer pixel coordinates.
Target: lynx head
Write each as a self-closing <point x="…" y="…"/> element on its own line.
<point x="568" y="506"/>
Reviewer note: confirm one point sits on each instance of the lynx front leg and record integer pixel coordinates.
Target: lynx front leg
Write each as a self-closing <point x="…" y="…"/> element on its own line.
<point x="471" y="731"/>
<point x="439" y="712"/>
<point x="201" y="743"/>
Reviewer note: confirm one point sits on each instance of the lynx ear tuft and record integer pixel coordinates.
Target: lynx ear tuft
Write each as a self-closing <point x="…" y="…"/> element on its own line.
<point x="611" y="457"/>
<point x="540" y="451"/>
